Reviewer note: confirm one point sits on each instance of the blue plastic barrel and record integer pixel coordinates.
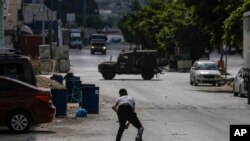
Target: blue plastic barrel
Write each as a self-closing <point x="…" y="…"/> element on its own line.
<point x="90" y="98"/>
<point x="59" y="100"/>
<point x="74" y="89"/>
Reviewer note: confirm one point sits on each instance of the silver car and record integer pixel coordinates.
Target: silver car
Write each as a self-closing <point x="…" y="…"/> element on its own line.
<point x="238" y="85"/>
<point x="205" y="71"/>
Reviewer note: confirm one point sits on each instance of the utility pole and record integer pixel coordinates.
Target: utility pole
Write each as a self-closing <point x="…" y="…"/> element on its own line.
<point x="246" y="52"/>
<point x="84" y="14"/>
<point x="84" y="19"/>
<point x="2" y="23"/>
<point x="227" y="51"/>
<point x="51" y="27"/>
<point x="43" y="26"/>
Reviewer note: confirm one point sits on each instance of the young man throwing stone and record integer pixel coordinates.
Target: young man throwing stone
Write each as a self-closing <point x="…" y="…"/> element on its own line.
<point x="125" y="109"/>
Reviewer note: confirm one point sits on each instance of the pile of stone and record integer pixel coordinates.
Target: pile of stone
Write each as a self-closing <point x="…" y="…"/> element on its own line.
<point x="48" y="83"/>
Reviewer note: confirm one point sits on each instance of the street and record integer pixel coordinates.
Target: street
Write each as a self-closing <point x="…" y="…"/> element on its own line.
<point x="168" y="106"/>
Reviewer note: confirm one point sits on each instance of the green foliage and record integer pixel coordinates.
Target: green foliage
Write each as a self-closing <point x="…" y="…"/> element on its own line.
<point x="135" y="5"/>
<point x="190" y="25"/>
<point x="233" y="25"/>
<point x="127" y="26"/>
<point x="180" y="31"/>
<point x="210" y="15"/>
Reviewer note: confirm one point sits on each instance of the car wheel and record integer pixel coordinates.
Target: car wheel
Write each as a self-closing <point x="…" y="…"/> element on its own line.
<point x="240" y="92"/>
<point x="195" y="83"/>
<point x="104" y="52"/>
<point x="147" y="74"/>
<point x="19" y="121"/>
<point x="234" y="92"/>
<point x="92" y="52"/>
<point x="108" y="74"/>
<point x="214" y="84"/>
<point x="191" y="82"/>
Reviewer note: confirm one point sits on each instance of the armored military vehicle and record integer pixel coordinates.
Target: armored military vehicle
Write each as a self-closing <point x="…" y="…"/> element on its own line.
<point x="142" y="62"/>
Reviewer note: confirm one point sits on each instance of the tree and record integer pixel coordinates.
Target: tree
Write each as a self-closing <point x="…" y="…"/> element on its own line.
<point x="179" y="31"/>
<point x="127" y="26"/>
<point x="233" y="25"/>
<point x="210" y="16"/>
<point x="149" y="23"/>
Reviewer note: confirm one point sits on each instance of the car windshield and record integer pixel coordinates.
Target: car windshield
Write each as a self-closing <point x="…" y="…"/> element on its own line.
<point x="207" y="66"/>
<point x="99" y="37"/>
<point x="76" y="39"/>
<point x="98" y="44"/>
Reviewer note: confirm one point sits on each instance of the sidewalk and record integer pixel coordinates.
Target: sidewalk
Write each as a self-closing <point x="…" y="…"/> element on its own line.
<point x="234" y="62"/>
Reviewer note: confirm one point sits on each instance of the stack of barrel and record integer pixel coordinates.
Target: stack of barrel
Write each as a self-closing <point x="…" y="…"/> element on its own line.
<point x="87" y="95"/>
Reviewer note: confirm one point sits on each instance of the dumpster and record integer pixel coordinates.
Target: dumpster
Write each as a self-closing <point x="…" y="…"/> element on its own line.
<point x="90" y="98"/>
<point x="59" y="100"/>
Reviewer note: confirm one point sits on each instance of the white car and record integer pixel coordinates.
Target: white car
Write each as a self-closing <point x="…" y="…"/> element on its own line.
<point x="238" y="85"/>
<point x="205" y="72"/>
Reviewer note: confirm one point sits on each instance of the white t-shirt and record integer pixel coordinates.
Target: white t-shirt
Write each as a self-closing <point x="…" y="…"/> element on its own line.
<point x="125" y="100"/>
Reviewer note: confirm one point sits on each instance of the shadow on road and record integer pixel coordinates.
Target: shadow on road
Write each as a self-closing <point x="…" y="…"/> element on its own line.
<point x="216" y="91"/>
<point x="6" y="131"/>
<point x="131" y="80"/>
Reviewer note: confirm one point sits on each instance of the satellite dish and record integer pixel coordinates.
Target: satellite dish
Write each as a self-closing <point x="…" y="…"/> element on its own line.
<point x="26" y="30"/>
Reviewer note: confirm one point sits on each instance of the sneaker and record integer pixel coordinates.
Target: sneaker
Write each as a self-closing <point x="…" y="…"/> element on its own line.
<point x="138" y="138"/>
<point x="140" y="131"/>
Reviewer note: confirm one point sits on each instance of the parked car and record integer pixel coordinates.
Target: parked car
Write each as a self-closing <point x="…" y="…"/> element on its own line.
<point x="16" y="66"/>
<point x="205" y="71"/>
<point x="23" y="105"/>
<point x="238" y="84"/>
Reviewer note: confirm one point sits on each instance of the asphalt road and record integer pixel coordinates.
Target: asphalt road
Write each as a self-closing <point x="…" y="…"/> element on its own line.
<point x="170" y="108"/>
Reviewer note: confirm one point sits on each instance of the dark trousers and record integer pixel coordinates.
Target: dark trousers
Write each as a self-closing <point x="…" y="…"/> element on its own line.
<point x="125" y="113"/>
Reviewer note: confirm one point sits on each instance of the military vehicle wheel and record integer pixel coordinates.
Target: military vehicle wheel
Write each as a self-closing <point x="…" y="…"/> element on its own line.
<point x="108" y="74"/>
<point x="147" y="74"/>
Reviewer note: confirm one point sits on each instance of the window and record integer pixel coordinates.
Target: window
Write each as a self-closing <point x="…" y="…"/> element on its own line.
<point x="207" y="66"/>
<point x="15" y="71"/>
<point x="195" y="66"/>
<point x="5" y="85"/>
<point x="123" y="58"/>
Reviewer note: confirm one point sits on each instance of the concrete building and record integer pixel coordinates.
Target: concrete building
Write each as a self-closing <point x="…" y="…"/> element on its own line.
<point x="11" y="21"/>
<point x="37" y="12"/>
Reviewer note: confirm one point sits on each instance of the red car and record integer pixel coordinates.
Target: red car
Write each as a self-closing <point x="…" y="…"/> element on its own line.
<point x="22" y="105"/>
